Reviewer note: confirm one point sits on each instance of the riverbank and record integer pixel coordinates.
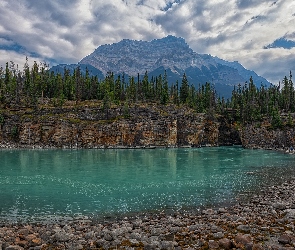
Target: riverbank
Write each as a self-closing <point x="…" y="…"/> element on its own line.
<point x="260" y="221"/>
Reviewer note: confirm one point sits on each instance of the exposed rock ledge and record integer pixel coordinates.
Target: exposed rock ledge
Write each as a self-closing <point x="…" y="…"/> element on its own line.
<point x="95" y="127"/>
<point x="264" y="137"/>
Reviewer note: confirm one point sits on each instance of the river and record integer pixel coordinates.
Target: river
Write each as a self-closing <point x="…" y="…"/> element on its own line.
<point x="41" y="185"/>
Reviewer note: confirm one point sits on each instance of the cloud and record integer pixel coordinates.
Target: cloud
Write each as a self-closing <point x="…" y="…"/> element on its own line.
<point x="269" y="62"/>
<point x="281" y="43"/>
<point x="66" y="31"/>
<point x="242" y="4"/>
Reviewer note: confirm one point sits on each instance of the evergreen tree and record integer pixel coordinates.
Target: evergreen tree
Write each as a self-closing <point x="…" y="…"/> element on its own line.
<point x="146" y="87"/>
<point x="131" y="90"/>
<point x="7" y="80"/>
<point x="118" y="90"/>
<point x="184" y="89"/>
<point x="2" y="74"/>
<point x="165" y="90"/>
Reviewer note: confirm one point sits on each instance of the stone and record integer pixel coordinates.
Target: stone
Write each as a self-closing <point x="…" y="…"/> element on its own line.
<point x="108" y="237"/>
<point x="284" y="239"/>
<point x="257" y="247"/>
<point x="166" y="245"/>
<point x="218" y="235"/>
<point x="134" y="242"/>
<point x="30" y="237"/>
<point x="247" y="210"/>
<point x="119" y="232"/>
<point x="169" y="237"/>
<point x="61" y="236"/>
<point x="136" y="236"/>
<point x="45" y="236"/>
<point x="243" y="228"/>
<point x="156" y="231"/>
<point x="290" y="214"/>
<point x="75" y="246"/>
<point x="222" y="210"/>
<point x="100" y="243"/>
<point x="208" y="211"/>
<point x="191" y="228"/>
<point x="243" y="239"/>
<point x="36" y="248"/>
<point x="89" y="235"/>
<point x="154" y="244"/>
<point x="23" y="231"/>
<point x="279" y="206"/>
<point x="249" y="246"/>
<point x="225" y="243"/>
<point x="11" y="247"/>
<point x="149" y="247"/>
<point x="213" y="244"/>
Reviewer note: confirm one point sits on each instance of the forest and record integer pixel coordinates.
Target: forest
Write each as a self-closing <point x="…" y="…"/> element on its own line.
<point x="248" y="103"/>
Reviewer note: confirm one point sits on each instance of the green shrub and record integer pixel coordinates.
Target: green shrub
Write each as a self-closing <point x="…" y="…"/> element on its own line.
<point x="15" y="132"/>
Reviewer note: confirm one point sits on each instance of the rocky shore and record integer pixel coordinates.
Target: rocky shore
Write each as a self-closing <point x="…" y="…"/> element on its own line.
<point x="260" y="221"/>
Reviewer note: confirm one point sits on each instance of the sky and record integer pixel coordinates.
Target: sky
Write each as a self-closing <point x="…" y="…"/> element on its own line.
<point x="259" y="34"/>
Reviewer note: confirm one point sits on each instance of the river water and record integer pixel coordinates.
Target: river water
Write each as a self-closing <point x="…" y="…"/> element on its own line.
<point x="40" y="185"/>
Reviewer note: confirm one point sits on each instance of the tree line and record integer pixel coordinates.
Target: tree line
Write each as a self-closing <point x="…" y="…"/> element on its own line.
<point x="249" y="103"/>
<point x="255" y="104"/>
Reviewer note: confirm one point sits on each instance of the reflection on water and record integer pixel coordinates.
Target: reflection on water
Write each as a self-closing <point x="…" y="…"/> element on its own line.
<point x="37" y="184"/>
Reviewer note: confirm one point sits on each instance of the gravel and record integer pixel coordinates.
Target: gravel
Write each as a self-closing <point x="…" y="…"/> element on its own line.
<point x="262" y="221"/>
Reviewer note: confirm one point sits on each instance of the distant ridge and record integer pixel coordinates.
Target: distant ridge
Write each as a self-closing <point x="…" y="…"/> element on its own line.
<point x="172" y="54"/>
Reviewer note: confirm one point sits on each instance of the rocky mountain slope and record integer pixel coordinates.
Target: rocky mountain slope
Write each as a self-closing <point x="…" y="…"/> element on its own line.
<point x="171" y="54"/>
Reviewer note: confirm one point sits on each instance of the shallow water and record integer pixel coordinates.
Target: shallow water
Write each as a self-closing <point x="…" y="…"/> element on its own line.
<point x="44" y="184"/>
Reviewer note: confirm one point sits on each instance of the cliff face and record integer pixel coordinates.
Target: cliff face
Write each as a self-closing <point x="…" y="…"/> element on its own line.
<point x="96" y="127"/>
<point x="263" y="137"/>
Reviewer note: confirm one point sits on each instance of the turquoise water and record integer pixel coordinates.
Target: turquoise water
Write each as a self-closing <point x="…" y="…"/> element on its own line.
<point x="47" y="184"/>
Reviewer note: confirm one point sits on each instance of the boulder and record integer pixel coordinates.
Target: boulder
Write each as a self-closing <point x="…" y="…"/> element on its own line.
<point x="225" y="243"/>
<point x="284" y="239"/>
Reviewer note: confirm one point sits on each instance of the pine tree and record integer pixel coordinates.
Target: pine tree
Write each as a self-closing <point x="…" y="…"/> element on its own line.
<point x="165" y="90"/>
<point x="184" y="89"/>
<point x="2" y="74"/>
<point x="78" y="84"/>
<point x="131" y="90"/>
<point x="7" y="80"/>
<point x="146" y="87"/>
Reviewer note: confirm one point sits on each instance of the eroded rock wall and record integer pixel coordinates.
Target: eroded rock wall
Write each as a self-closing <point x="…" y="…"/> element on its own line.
<point x="267" y="138"/>
<point x="116" y="127"/>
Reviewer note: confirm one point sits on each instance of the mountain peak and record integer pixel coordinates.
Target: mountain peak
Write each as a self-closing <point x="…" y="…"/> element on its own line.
<point x="172" y="54"/>
<point x="133" y="57"/>
<point x="171" y="38"/>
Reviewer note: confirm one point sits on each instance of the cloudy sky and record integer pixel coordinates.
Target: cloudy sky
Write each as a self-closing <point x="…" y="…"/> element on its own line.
<point x="260" y="34"/>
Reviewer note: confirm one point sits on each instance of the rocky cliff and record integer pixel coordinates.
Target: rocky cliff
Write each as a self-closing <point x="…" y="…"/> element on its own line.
<point x="116" y="127"/>
<point x="143" y="126"/>
<point x="265" y="137"/>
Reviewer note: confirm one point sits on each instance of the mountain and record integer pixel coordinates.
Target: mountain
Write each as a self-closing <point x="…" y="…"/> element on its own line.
<point x="172" y="54"/>
<point x="71" y="67"/>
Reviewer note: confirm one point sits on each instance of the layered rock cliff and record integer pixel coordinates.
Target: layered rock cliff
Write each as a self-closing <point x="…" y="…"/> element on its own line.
<point x="267" y="138"/>
<point x="144" y="126"/>
<point x="96" y="127"/>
